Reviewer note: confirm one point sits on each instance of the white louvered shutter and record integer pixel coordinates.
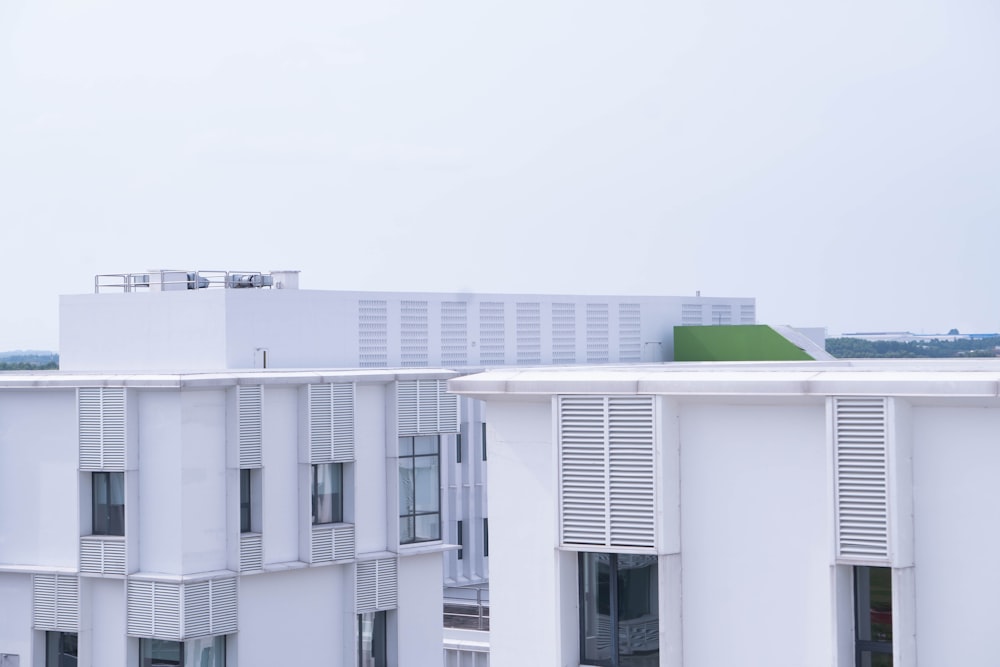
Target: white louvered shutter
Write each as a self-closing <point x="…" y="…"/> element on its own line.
<point x="251" y="552"/>
<point x="56" y="602"/>
<point x="153" y="609"/>
<point x="102" y="428"/>
<point x="425" y="407"/>
<point x="862" y="481"/>
<point x="375" y="585"/>
<point x="175" y="611"/>
<point x="631" y="477"/>
<point x="320" y="423"/>
<point x="607" y="471"/>
<point x="250" y="408"/>
<point x="342" y="408"/>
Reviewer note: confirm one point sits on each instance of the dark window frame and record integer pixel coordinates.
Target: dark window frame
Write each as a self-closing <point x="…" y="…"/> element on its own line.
<point x="337" y="502"/>
<point x="59" y="644"/>
<point x="246" y="501"/>
<point x="862" y="579"/>
<point x="484" y="440"/>
<point x="412" y="516"/>
<point x="461" y="540"/>
<point x="107" y="518"/>
<point x="486" y="537"/>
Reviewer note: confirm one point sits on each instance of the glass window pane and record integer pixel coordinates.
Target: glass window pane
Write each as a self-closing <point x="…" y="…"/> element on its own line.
<point x="60" y="649"/>
<point x="205" y="652"/>
<point x="327" y="500"/>
<point x="870" y="659"/>
<point x="873" y="595"/>
<point x="425" y="444"/>
<point x="638" y="610"/>
<point x="372" y="640"/>
<point x="595" y="606"/>
<point x="159" y="653"/>
<point x="406" y="446"/>
<point x="428" y="527"/>
<point x="426" y="483"/>
<point x="406" y="500"/>
<point x="407" y="530"/>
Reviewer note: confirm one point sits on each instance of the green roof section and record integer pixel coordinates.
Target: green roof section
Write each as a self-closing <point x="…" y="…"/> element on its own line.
<point x="742" y="342"/>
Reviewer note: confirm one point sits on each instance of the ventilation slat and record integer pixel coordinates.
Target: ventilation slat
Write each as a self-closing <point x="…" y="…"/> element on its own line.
<point x="861" y="470"/>
<point x="607" y="474"/>
<point x="101" y="415"/>
<point x="425" y="407"/>
<point x="250" y="409"/>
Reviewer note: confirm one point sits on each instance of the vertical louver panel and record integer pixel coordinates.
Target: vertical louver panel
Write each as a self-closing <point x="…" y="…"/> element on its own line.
<point x="320" y="423"/>
<point x="425" y="406"/>
<point x="154" y="609"/>
<point x="225" y="606"/>
<point x="861" y="468"/>
<point x="331" y="422"/>
<point x="139" y="607"/>
<point x="343" y="421"/>
<point x="197" y="609"/>
<point x="56" y="602"/>
<point x="101" y="415"/>
<point x="102" y="555"/>
<point x="251" y="552"/>
<point x="343" y="542"/>
<point x="332" y="542"/>
<point x="632" y="484"/>
<point x="175" y="611"/>
<point x="250" y="425"/>
<point x="584" y="469"/>
<point x="607" y="471"/>
<point x="321" y="544"/>
<point x="375" y="585"/>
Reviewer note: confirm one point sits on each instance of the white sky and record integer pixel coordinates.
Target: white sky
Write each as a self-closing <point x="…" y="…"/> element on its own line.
<point x="839" y="161"/>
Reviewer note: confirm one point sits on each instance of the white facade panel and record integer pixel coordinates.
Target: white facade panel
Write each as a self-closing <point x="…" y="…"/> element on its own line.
<point x="371" y="508"/>
<point x="280" y="475"/>
<point x="203" y="479"/>
<point x="161" y="529"/>
<point x="39" y="515"/>
<point x="754" y="528"/>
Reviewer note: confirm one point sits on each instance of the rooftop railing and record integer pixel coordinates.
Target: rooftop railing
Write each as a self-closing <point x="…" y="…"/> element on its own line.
<point x="177" y="280"/>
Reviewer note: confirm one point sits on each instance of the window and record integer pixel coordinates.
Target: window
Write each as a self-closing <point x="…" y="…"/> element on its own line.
<point x="327" y="493"/>
<point x="458" y="448"/>
<point x="245" y="505"/>
<point x="461" y="541"/>
<point x="108" y="494"/>
<point x="419" y="489"/>
<point x="60" y="649"/>
<point x="873" y="616"/>
<point x="486" y="538"/>
<point x="203" y="652"/>
<point x="484" y="441"/>
<point x="372" y="640"/>
<point x="619" y="612"/>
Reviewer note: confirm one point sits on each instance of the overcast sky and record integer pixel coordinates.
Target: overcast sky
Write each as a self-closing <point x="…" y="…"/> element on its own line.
<point x="839" y="161"/>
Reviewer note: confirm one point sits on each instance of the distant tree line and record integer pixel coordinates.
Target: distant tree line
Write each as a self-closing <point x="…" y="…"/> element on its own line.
<point x="855" y="348"/>
<point x="29" y="362"/>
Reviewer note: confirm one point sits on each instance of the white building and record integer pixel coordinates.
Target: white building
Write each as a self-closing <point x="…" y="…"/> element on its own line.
<point x="238" y="518"/>
<point x="772" y="514"/>
<point x="180" y="320"/>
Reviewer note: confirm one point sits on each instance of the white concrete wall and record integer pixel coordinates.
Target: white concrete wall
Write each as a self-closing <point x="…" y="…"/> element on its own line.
<point x="280" y="474"/>
<point x="143" y="331"/>
<point x="525" y="603"/>
<point x="15" y="616"/>
<point x="203" y="479"/>
<point x="956" y="463"/>
<point x="418" y="618"/>
<point x="309" y="621"/>
<point x="755" y="530"/>
<point x="108" y="629"/>
<point x="39" y="460"/>
<point x="372" y="470"/>
<point x="161" y="508"/>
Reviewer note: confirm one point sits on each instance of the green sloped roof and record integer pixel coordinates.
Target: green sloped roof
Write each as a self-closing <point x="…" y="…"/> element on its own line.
<point x="754" y="342"/>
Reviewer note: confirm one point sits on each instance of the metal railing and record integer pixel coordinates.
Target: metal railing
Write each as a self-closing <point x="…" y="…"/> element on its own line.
<point x="466" y="613"/>
<point x="176" y="280"/>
